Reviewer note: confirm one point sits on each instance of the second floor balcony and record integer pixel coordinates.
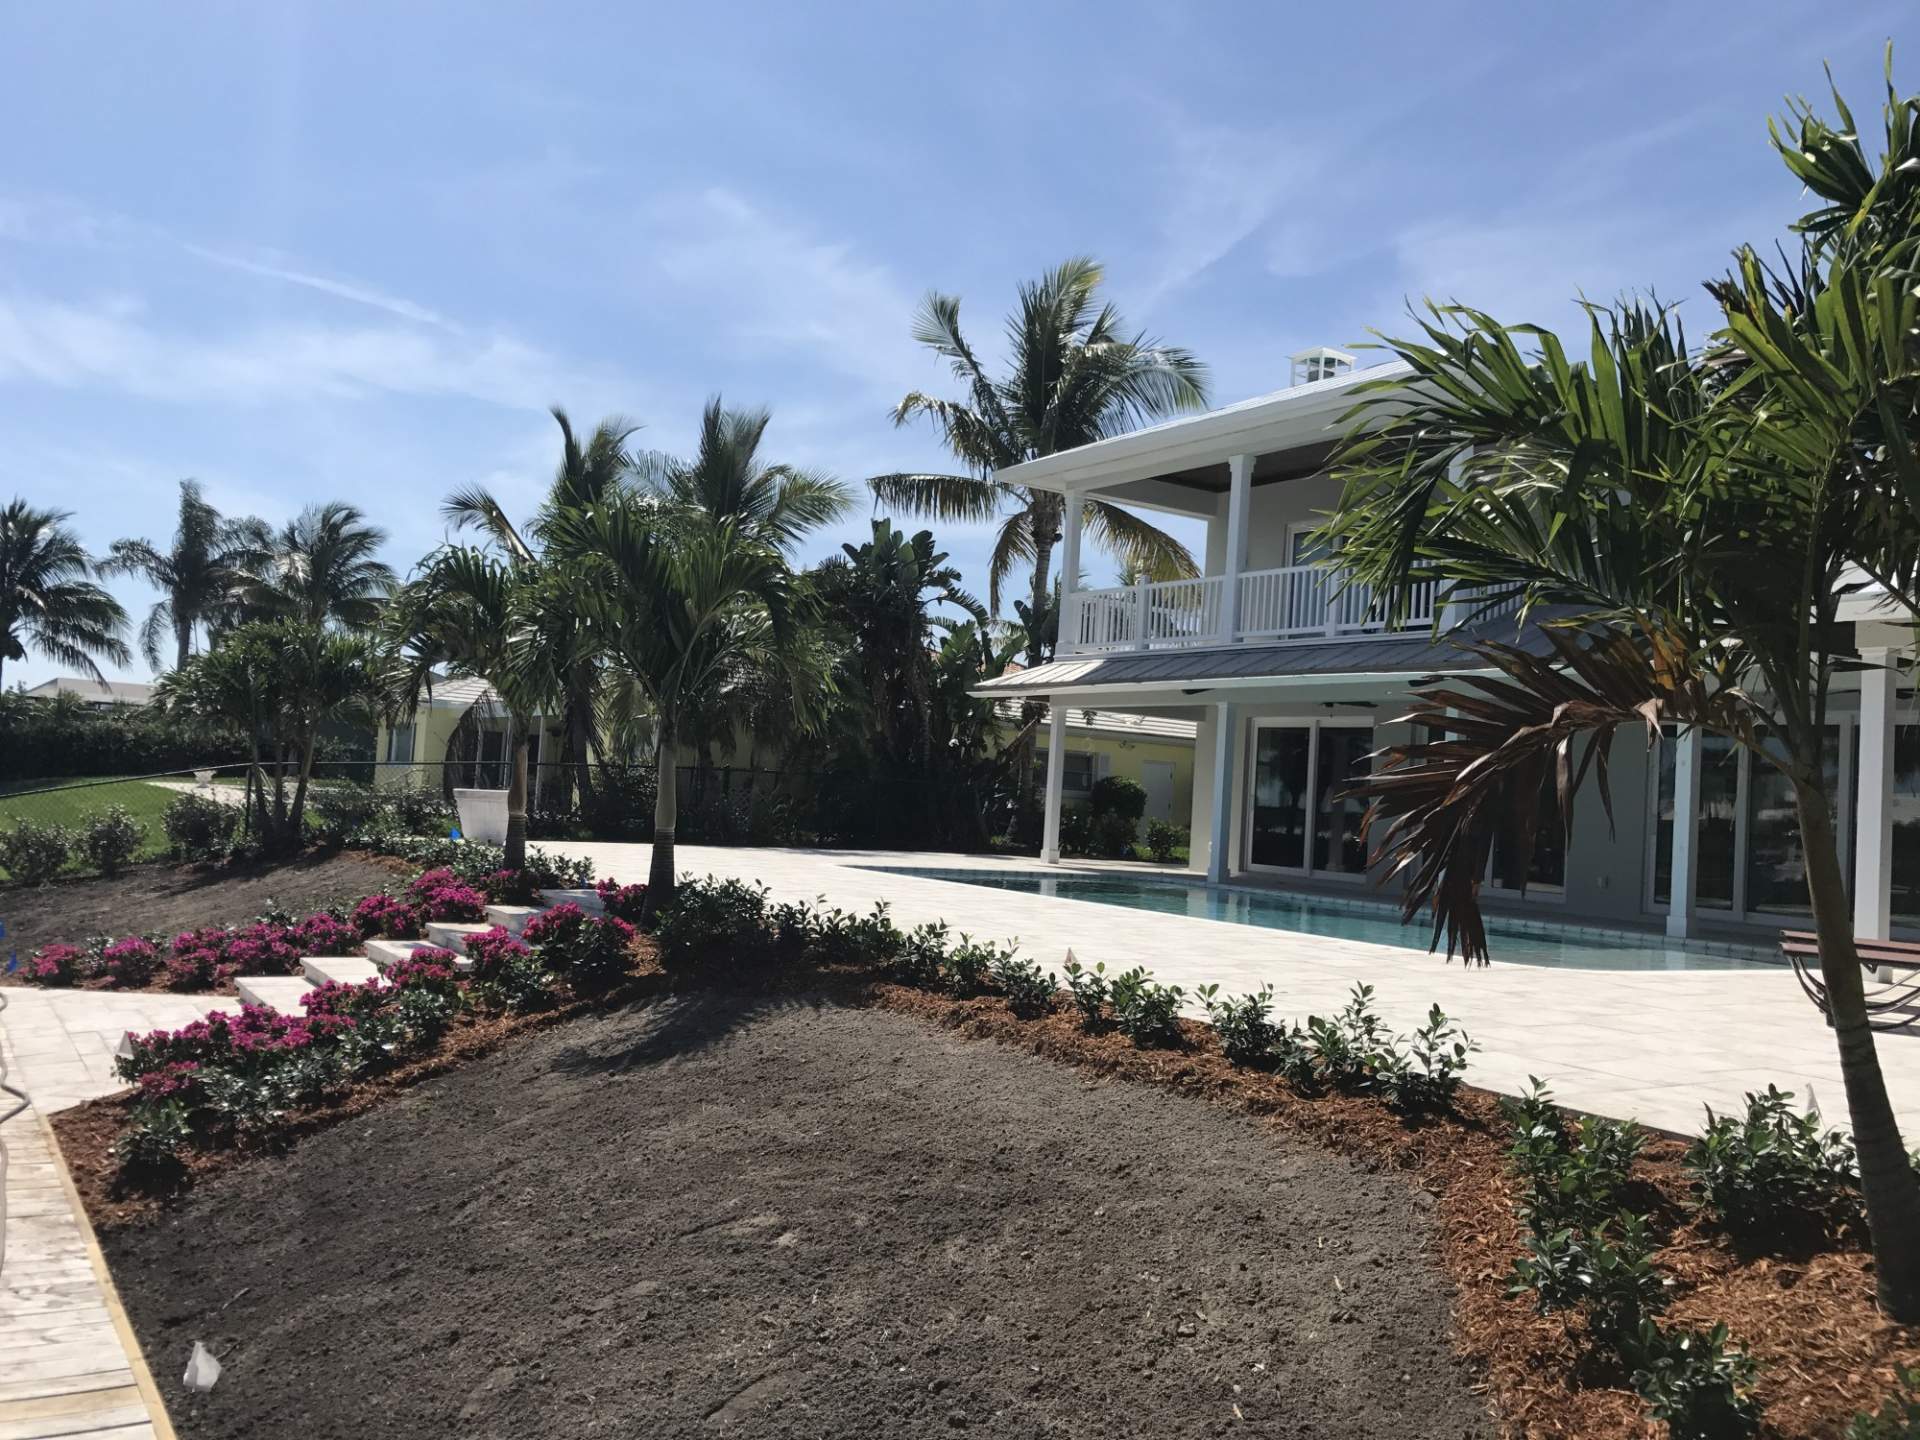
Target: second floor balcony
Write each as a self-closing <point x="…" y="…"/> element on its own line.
<point x="1294" y="602"/>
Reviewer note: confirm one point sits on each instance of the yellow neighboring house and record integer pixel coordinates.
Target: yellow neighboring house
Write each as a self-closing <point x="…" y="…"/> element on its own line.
<point x="464" y="711"/>
<point x="1154" y="751"/>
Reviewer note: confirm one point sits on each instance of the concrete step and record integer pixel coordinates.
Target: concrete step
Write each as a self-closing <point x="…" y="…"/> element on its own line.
<point x="587" y="900"/>
<point x="339" y="969"/>
<point x="512" y="918"/>
<point x="452" y="934"/>
<point x="276" y="992"/>
<point x="384" y="952"/>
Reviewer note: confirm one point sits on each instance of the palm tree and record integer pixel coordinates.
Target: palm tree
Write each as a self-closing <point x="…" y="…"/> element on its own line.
<point x="199" y="575"/>
<point x="687" y="603"/>
<point x="1696" y="520"/>
<point x="727" y="480"/>
<point x="1075" y="376"/>
<point x="321" y="568"/>
<point x="588" y="475"/>
<point x="48" y="600"/>
<point x="469" y="612"/>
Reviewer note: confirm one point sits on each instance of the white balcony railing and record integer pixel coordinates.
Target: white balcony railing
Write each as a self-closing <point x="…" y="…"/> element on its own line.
<point x="1295" y="602"/>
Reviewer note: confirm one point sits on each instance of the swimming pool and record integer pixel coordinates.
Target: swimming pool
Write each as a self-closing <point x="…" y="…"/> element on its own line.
<point x="1515" y="944"/>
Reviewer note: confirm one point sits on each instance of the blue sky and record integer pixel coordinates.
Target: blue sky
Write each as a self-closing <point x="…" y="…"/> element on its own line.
<point x="354" y="251"/>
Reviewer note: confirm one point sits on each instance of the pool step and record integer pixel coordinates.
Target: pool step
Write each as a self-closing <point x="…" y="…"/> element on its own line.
<point x="452" y="934"/>
<point x="384" y="952"/>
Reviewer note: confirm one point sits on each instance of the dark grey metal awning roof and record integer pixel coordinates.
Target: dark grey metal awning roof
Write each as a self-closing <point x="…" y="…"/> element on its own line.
<point x="1150" y="669"/>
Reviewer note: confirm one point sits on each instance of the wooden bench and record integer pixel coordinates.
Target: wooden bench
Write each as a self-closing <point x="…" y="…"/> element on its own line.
<point x="1891" y="1004"/>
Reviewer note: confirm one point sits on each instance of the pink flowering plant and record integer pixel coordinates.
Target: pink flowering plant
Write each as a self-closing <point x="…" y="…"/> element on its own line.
<point x="623" y="902"/>
<point x="130" y="963"/>
<point x="56" y="964"/>
<point x="325" y="933"/>
<point x="554" y="934"/>
<point x="387" y="917"/>
<point x="602" y="955"/>
<point x="442" y="895"/>
<point x="512" y="887"/>
<point x="492" y="950"/>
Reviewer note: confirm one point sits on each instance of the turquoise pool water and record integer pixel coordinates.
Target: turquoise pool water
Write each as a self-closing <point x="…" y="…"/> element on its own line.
<point x="1511" y="944"/>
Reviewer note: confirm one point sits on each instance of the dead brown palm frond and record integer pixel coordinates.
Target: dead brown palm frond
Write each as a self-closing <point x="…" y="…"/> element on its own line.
<point x="1499" y="740"/>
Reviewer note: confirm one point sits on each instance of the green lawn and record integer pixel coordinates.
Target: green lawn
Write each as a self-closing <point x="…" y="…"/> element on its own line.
<point x="71" y="807"/>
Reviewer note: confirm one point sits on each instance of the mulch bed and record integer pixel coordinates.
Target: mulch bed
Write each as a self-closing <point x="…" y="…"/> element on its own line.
<point x="1808" y="1316"/>
<point x="172" y="898"/>
<point x="777" y="1216"/>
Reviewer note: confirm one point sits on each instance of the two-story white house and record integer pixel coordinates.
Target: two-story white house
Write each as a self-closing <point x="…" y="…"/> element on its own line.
<point x="1293" y="683"/>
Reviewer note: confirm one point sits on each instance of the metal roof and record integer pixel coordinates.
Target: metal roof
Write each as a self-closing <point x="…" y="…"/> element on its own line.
<point x="1114" y="722"/>
<point x="1149" y="669"/>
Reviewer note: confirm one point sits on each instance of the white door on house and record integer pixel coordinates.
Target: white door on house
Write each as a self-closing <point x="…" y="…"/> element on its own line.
<point x="1156" y="776"/>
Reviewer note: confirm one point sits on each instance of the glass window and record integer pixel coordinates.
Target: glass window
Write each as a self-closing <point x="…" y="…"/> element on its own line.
<point x="1546" y="867"/>
<point x="1906" y="824"/>
<point x="1077" y="772"/>
<point x="1280" y="796"/>
<point x="1713" y="837"/>
<point x="1776" y="870"/>
<point x="1337" y="845"/>
<point x="400" y="745"/>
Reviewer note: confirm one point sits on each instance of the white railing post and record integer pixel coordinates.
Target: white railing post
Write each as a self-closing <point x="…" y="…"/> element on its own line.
<point x="1686" y="819"/>
<point x="1239" y="500"/>
<point x="1873" y="861"/>
<point x="1142" y="598"/>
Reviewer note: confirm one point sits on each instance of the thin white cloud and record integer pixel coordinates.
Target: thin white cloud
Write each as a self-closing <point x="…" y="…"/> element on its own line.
<point x="272" y="267"/>
<point x="113" y="345"/>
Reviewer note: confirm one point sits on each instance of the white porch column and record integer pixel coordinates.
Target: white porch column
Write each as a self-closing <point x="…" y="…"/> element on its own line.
<point x="1239" y="499"/>
<point x="1073" y="510"/>
<point x="1686" y="817"/>
<point x="1226" y="724"/>
<point x="1873" y="781"/>
<point x="1056" y="779"/>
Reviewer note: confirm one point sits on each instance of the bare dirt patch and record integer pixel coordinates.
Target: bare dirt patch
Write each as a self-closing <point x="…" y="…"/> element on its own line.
<point x="184" y="897"/>
<point x="717" y="1215"/>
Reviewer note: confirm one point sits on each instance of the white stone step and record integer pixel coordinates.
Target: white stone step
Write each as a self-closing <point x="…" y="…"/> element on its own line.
<point x="276" y="992"/>
<point x="512" y="918"/>
<point x="339" y="969"/>
<point x="587" y="900"/>
<point x="452" y="934"/>
<point x="384" y="952"/>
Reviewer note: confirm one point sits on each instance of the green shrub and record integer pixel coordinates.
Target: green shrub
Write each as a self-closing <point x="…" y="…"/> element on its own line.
<point x="1608" y="1270"/>
<point x="111" y="838"/>
<point x="1347" y="1048"/>
<point x="1076" y="830"/>
<point x="870" y="940"/>
<point x="1028" y="988"/>
<point x="1244" y="1025"/>
<point x="1695" y="1380"/>
<point x="1146" y="1012"/>
<point x="32" y="853"/>
<point x="1772" y="1166"/>
<point x="922" y="955"/>
<point x="1425" y="1074"/>
<point x="199" y="827"/>
<point x="970" y="965"/>
<point x="157" y="1131"/>
<point x="1116" y="806"/>
<point x="1089" y="990"/>
<point x="1898" y="1418"/>
<point x="1571" y="1175"/>
<point x="1164" y="840"/>
<point x="715" y="925"/>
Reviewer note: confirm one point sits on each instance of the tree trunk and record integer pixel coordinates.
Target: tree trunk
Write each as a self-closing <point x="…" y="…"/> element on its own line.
<point x="579" y="740"/>
<point x="297" y="822"/>
<point x="1046" y="534"/>
<point x="516" y="857"/>
<point x="182" y="642"/>
<point x="1887" y="1178"/>
<point x="666" y="814"/>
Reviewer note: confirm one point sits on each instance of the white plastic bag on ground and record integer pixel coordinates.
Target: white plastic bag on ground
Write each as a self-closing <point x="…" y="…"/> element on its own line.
<point x="202" y="1369"/>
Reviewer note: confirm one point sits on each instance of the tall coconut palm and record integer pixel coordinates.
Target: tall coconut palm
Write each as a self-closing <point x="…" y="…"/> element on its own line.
<point x="321" y="568"/>
<point x="686" y="602"/>
<point x="469" y="612"/>
<point x="1696" y="520"/>
<point x="199" y="575"/>
<point x="1075" y="375"/>
<point x="48" y="600"/>
<point x="588" y="474"/>
<point x="726" y="479"/>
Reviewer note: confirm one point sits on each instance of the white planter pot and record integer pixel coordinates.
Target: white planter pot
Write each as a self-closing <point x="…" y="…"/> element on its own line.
<point x="483" y="815"/>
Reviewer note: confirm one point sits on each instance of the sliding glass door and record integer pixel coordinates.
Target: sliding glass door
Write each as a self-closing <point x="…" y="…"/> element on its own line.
<point x="1297" y="821"/>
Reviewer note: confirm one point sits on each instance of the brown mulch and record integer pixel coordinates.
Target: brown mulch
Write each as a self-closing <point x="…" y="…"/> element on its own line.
<point x="167" y="898"/>
<point x="1808" y="1316"/>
